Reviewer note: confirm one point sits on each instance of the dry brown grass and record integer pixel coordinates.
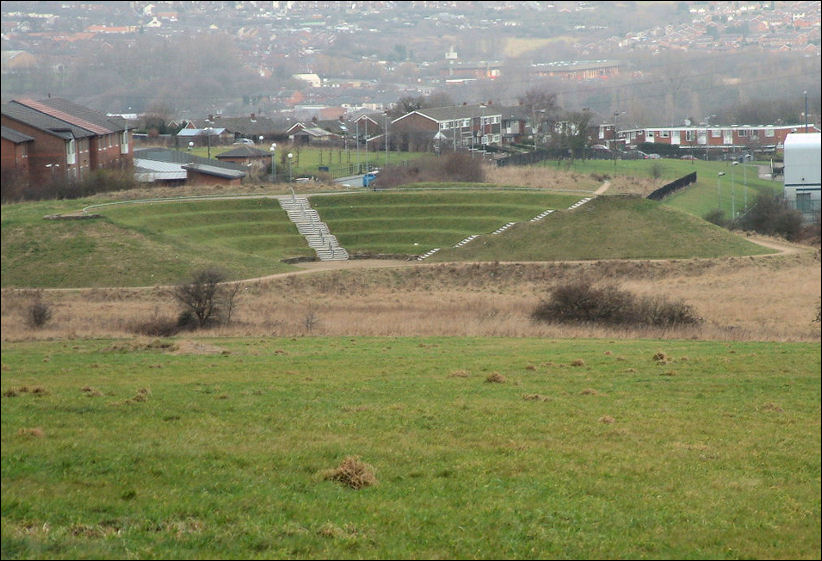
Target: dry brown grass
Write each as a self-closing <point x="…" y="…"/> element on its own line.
<point x="769" y="298"/>
<point x="353" y="473"/>
<point x="495" y="378"/>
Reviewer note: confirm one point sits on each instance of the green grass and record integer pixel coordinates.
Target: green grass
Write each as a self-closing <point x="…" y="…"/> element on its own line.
<point x="307" y="159"/>
<point x="412" y="222"/>
<point x="697" y="199"/>
<point x="145" y="244"/>
<point x="713" y="453"/>
<point x="607" y="228"/>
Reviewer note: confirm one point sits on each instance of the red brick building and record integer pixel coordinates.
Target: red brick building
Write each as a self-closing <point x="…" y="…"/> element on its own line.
<point x="67" y="140"/>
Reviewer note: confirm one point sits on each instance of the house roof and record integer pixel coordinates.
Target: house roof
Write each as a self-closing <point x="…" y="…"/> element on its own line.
<point x="179" y="157"/>
<point x="153" y="170"/>
<point x="15" y="136"/>
<point x="456" y="112"/>
<point x="215" y="131"/>
<point x="44" y="122"/>
<point x="72" y="118"/>
<point x="243" y="152"/>
<point x="315" y="132"/>
<point x="215" y="171"/>
<point x="109" y="122"/>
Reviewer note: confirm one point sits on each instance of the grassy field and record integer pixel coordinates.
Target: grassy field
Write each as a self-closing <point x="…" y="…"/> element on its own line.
<point x="607" y="228"/>
<point x="739" y="186"/>
<point x="219" y="448"/>
<point x="306" y="160"/>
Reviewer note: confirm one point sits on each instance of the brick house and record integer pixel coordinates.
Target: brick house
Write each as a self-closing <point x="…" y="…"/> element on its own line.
<point x="246" y="155"/>
<point x="68" y="140"/>
<point x="712" y="138"/>
<point x="455" y="127"/>
<point x="15" y="158"/>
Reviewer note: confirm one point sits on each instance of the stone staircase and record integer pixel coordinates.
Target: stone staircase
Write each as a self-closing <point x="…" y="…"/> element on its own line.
<point x="316" y="232"/>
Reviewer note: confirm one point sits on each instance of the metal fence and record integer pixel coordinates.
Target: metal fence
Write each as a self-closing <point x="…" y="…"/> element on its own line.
<point x="673" y="186"/>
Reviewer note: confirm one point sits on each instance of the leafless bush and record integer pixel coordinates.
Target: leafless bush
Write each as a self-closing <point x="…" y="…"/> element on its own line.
<point x="38" y="313"/>
<point x="205" y="299"/>
<point x="581" y="302"/>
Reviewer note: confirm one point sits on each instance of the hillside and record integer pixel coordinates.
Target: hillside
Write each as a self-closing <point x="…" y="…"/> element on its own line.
<point x="623" y="227"/>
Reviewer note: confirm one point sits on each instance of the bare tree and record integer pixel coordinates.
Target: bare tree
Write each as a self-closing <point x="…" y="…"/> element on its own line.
<point x="206" y="298"/>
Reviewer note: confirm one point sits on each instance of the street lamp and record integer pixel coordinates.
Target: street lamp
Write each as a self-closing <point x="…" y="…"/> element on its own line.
<point x="290" y="155"/>
<point x="718" y="191"/>
<point x="208" y="139"/>
<point x="273" y="162"/>
<point x="806" y="110"/>
<point x="190" y="145"/>
<point x="733" y="191"/>
<point x="386" y="139"/>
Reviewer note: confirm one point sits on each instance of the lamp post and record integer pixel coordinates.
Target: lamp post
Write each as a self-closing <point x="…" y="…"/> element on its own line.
<point x="806" y="110"/>
<point x="208" y="140"/>
<point x="733" y="191"/>
<point x="357" y="127"/>
<point x="290" y="156"/>
<point x="273" y="149"/>
<point x="261" y="139"/>
<point x="718" y="190"/>
<point x="386" y="139"/>
<point x="190" y="145"/>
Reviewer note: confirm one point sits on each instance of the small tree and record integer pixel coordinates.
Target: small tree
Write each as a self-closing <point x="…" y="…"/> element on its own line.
<point x="205" y="299"/>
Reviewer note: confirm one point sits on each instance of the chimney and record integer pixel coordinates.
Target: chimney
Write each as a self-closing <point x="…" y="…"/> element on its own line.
<point x="253" y="116"/>
<point x="210" y="117"/>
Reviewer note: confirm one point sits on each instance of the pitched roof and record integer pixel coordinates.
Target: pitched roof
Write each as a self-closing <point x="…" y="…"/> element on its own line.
<point x="215" y="171"/>
<point x="111" y="122"/>
<point x="43" y="122"/>
<point x="459" y="112"/>
<point x="176" y="156"/>
<point x="14" y="136"/>
<point x="63" y="116"/>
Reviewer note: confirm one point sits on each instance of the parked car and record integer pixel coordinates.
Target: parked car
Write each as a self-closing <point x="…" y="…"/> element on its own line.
<point x="654" y="156"/>
<point x="689" y="157"/>
<point x="241" y="141"/>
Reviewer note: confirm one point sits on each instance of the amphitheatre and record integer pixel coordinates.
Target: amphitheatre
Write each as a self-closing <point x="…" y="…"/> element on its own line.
<point x="388" y="406"/>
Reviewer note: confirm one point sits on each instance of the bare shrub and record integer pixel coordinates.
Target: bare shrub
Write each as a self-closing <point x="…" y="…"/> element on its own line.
<point x="157" y="327"/>
<point x="581" y="302"/>
<point x="353" y="473"/>
<point x="38" y="313"/>
<point x="205" y="299"/>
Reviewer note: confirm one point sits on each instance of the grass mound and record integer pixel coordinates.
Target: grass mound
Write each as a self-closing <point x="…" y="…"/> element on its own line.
<point x="353" y="473"/>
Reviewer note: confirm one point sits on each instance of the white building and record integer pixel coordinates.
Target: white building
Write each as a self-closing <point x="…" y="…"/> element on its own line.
<point x="803" y="162"/>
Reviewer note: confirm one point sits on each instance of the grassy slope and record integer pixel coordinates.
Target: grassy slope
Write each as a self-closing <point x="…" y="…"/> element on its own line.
<point x="713" y="453"/>
<point x="607" y="228"/>
<point x="143" y="245"/>
<point x="697" y="199"/>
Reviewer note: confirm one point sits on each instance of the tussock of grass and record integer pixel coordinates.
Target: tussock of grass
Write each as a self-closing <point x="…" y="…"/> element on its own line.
<point x="535" y="397"/>
<point x="578" y="362"/>
<point x="495" y="378"/>
<point x="459" y="374"/>
<point x="607" y="419"/>
<point x="353" y="473"/>
<point x="35" y="432"/>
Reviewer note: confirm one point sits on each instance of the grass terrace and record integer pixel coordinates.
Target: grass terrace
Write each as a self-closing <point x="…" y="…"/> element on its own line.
<point x="412" y="222"/>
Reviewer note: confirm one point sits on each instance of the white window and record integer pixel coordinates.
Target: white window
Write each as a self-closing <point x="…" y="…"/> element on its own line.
<point x="495" y="119"/>
<point x="466" y="122"/>
<point x="124" y="142"/>
<point x="716" y="133"/>
<point x="444" y="125"/>
<point x="71" y="152"/>
<point x="663" y="134"/>
<point x="769" y="132"/>
<point x="743" y="132"/>
<point x="689" y="136"/>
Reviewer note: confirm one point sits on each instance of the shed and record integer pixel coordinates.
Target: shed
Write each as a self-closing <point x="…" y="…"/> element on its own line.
<point x="803" y="161"/>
